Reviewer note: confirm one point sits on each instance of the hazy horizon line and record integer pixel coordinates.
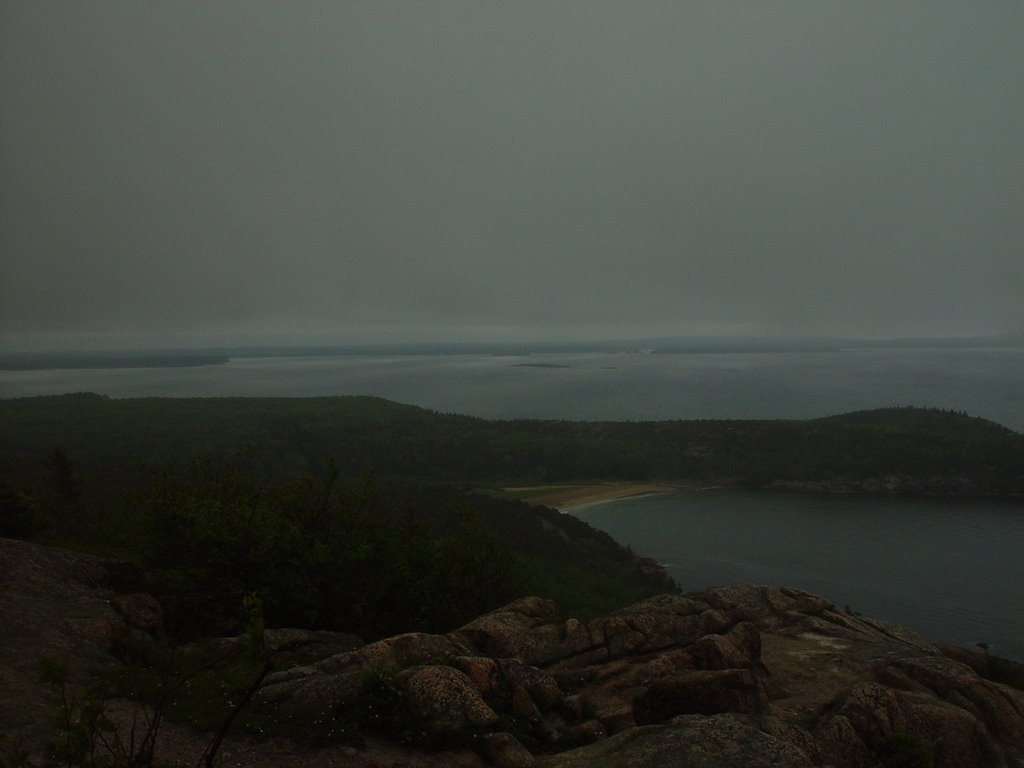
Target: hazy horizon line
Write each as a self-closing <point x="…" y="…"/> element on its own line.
<point x="56" y="344"/>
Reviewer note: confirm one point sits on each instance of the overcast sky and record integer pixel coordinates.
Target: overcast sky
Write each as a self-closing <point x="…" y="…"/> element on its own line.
<point x="245" y="171"/>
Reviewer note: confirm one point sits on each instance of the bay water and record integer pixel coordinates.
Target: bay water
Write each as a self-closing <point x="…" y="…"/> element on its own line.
<point x="949" y="569"/>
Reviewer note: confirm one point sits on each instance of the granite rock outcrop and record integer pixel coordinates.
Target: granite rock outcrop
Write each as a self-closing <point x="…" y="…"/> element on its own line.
<point x="742" y="675"/>
<point x="734" y="676"/>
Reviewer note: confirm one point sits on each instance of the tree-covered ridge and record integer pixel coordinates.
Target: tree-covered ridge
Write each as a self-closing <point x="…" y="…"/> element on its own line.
<point x="907" y="449"/>
<point x="226" y="498"/>
<point x="367" y="556"/>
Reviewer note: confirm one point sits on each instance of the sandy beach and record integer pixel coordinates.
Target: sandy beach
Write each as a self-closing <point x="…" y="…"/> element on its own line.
<point x="565" y="497"/>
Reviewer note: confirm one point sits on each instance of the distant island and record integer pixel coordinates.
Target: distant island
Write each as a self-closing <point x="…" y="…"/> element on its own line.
<point x="686" y="345"/>
<point x="82" y="361"/>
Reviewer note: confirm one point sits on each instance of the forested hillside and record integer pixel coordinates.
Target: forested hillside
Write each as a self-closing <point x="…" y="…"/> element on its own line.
<point x="903" y="448"/>
<point x="218" y="503"/>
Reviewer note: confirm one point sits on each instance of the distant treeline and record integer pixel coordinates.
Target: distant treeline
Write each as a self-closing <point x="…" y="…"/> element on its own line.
<point x="894" y="449"/>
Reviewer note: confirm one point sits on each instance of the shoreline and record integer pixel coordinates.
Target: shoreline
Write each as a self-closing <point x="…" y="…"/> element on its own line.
<point x="573" y="497"/>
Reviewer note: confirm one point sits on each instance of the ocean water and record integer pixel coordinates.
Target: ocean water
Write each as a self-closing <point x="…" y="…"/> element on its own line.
<point x="594" y="386"/>
<point x="949" y="569"/>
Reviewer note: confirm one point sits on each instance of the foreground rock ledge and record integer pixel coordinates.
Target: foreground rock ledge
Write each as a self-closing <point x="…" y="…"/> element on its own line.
<point x="744" y="675"/>
<point x="735" y="676"/>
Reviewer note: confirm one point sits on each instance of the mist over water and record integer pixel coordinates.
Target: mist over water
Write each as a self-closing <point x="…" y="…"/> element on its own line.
<point x="949" y="569"/>
<point x="596" y="386"/>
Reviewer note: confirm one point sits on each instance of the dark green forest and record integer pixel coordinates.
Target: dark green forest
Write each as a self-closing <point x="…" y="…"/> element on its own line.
<point x="929" y="450"/>
<point x="368" y="516"/>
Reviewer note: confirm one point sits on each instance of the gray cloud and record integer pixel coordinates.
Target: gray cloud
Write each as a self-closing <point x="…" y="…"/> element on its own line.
<point x="572" y="168"/>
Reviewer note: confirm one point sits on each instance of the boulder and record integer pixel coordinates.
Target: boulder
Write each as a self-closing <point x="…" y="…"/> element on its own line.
<point x="655" y="624"/>
<point x="524" y="629"/>
<point x="764" y="606"/>
<point x="739" y="648"/>
<point x="612" y="710"/>
<point x="484" y="672"/>
<point x="872" y="714"/>
<point x="523" y="706"/>
<point x="536" y="683"/>
<point x="338" y="679"/>
<point x="446" y="699"/>
<point x="577" y="637"/>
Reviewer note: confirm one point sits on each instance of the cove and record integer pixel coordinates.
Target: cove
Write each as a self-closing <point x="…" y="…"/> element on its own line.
<point x="950" y="569"/>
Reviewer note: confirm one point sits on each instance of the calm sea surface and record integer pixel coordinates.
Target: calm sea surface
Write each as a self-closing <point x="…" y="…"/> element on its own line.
<point x="592" y="386"/>
<point x="952" y="570"/>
